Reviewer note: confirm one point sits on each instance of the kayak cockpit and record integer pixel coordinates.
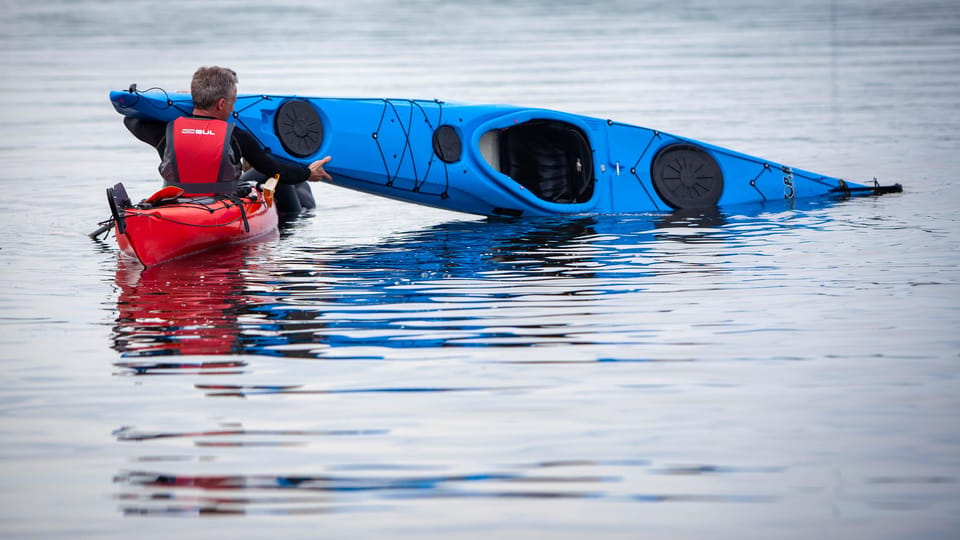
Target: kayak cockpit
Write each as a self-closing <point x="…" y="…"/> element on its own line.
<point x="551" y="158"/>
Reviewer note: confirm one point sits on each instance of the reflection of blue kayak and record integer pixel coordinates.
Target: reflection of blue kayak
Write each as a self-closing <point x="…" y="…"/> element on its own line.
<point x="457" y="283"/>
<point x="503" y="160"/>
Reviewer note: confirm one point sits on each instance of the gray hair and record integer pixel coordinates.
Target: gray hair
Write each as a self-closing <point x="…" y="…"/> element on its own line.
<point x="212" y="83"/>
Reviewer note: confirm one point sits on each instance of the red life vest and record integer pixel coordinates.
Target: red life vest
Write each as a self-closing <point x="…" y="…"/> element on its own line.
<point x="199" y="157"/>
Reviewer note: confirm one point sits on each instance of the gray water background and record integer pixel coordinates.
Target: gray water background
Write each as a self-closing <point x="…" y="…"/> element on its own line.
<point x="394" y="371"/>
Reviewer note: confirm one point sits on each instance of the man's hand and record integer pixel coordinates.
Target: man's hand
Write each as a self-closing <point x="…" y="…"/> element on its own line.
<point x="316" y="170"/>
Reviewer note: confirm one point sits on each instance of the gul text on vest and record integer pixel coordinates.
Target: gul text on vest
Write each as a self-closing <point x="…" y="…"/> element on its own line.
<point x="191" y="131"/>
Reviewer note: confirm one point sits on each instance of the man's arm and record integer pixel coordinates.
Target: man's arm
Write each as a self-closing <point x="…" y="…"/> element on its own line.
<point x="152" y="132"/>
<point x="250" y="149"/>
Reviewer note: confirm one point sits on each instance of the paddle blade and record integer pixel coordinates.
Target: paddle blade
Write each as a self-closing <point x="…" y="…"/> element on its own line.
<point x="269" y="187"/>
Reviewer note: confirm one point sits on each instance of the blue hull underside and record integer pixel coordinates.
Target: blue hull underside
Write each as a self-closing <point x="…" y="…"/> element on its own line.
<point x="498" y="160"/>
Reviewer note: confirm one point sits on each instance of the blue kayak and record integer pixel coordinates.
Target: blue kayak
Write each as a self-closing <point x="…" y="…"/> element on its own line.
<point x="502" y="160"/>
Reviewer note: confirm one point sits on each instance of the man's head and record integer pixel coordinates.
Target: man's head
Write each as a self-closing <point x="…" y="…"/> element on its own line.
<point x="212" y="84"/>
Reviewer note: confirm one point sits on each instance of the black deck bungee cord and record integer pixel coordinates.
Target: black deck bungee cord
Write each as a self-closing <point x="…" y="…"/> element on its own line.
<point x="633" y="170"/>
<point x="753" y="183"/>
<point x="408" y="147"/>
<point x="134" y="211"/>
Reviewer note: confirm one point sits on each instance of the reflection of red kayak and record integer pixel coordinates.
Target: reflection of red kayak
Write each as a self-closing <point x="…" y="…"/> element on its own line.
<point x="184" y="307"/>
<point x="165" y="229"/>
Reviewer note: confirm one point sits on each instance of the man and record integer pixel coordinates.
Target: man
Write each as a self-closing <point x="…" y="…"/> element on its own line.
<point x="202" y="153"/>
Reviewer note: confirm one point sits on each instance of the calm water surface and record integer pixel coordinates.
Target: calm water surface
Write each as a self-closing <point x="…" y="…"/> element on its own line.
<point x="388" y="371"/>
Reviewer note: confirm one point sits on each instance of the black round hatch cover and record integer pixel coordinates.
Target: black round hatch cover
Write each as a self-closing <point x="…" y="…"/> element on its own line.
<point x="446" y="144"/>
<point x="686" y="176"/>
<point x="299" y="128"/>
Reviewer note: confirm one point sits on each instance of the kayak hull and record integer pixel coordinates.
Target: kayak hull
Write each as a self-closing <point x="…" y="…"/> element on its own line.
<point x="503" y="160"/>
<point x="154" y="235"/>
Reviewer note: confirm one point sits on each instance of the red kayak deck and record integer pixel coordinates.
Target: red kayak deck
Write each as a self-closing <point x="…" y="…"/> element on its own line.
<point x="191" y="225"/>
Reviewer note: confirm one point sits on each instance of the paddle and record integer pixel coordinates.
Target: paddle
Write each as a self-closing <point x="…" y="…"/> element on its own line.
<point x="268" y="189"/>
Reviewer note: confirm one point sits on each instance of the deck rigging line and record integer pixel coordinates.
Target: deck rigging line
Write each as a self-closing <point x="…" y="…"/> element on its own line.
<point x="406" y="129"/>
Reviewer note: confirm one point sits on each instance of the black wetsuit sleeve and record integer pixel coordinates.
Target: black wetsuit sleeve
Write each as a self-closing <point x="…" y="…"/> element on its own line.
<point x="152" y="132"/>
<point x="290" y="172"/>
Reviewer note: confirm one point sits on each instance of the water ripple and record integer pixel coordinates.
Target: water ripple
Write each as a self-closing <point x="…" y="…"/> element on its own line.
<point x="532" y="283"/>
<point x="152" y="492"/>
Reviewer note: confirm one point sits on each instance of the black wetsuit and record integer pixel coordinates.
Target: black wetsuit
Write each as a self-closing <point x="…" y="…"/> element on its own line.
<point x="293" y="195"/>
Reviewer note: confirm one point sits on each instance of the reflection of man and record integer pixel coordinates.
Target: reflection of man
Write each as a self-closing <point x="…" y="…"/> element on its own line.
<point x="202" y="153"/>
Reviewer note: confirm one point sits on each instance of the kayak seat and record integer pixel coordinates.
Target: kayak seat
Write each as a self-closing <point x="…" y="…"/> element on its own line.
<point x="550" y="158"/>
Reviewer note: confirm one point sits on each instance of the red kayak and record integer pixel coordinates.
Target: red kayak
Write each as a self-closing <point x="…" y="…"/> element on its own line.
<point x="166" y="226"/>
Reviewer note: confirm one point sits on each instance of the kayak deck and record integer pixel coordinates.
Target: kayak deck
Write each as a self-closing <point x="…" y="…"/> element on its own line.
<point x="504" y="160"/>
